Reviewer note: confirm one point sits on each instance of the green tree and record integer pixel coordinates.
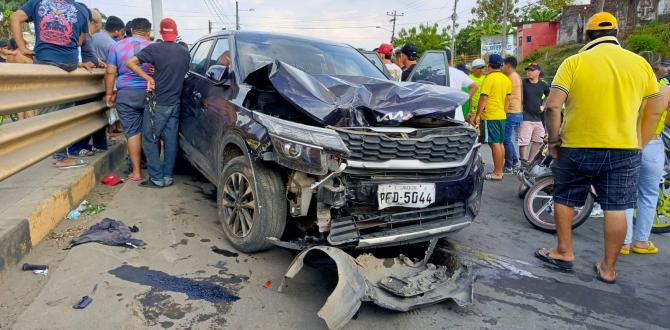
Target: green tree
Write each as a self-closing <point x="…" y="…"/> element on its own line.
<point x="544" y="10"/>
<point x="7" y="7"/>
<point x="426" y="37"/>
<point x="487" y="19"/>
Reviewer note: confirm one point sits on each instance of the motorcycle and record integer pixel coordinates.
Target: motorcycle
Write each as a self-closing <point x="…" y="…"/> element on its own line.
<point x="537" y="190"/>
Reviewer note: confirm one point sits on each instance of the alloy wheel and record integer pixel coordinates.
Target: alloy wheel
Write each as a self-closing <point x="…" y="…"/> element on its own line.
<point x="239" y="205"/>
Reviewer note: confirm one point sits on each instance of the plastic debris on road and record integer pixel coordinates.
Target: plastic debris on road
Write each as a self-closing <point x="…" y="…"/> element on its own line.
<point x="267" y="284"/>
<point x="73" y="215"/>
<point x="36" y="269"/>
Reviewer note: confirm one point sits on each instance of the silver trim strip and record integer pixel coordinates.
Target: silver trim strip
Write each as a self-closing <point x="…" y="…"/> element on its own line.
<point x="370" y="242"/>
<point x="411" y="164"/>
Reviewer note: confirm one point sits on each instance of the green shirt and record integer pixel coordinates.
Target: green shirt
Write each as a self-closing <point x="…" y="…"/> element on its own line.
<point x="475" y="98"/>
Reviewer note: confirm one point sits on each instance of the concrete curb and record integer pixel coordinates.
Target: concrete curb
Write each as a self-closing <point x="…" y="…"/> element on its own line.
<point x="18" y="234"/>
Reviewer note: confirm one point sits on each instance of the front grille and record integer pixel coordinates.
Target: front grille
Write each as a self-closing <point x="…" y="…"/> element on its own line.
<point x="371" y="175"/>
<point x="448" y="144"/>
<point x="351" y="228"/>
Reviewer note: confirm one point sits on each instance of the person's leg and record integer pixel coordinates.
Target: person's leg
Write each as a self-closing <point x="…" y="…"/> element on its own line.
<point x="99" y="139"/>
<point x="170" y="142"/>
<point x="130" y="106"/>
<point x="135" y="152"/>
<point x="629" y="229"/>
<point x="618" y="172"/>
<point x="571" y="188"/>
<point x="498" y="152"/>
<point x="150" y="135"/>
<point x="651" y="171"/>
<point x="615" y="233"/>
<point x="507" y="142"/>
<point x="537" y="137"/>
<point x="525" y="132"/>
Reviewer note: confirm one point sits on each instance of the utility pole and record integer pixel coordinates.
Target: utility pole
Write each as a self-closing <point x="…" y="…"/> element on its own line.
<point x="156" y="16"/>
<point x="237" y="15"/>
<point x="210" y="26"/>
<point x="601" y="5"/>
<point x="394" y="19"/>
<point x="453" y="31"/>
<point x="504" y="34"/>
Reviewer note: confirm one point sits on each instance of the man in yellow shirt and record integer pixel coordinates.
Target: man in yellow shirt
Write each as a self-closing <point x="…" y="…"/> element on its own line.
<point x="605" y="88"/>
<point x="493" y="101"/>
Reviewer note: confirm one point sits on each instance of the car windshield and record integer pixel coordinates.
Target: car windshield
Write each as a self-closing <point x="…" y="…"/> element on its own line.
<point x="257" y="50"/>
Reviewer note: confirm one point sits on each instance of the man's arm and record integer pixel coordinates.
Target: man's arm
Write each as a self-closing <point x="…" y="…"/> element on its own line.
<point x="651" y="109"/>
<point x="483" y="99"/>
<point x="110" y="80"/>
<point x="508" y="102"/>
<point x="134" y="65"/>
<point x="19" y="17"/>
<point x="472" y="89"/>
<point x="552" y="118"/>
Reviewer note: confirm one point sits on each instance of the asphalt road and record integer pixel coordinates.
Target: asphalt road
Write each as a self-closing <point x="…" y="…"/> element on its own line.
<point x="177" y="282"/>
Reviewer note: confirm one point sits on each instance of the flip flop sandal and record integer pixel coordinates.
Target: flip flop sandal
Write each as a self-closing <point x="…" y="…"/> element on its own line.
<point x="490" y="177"/>
<point x="546" y="258"/>
<point x="624" y="252"/>
<point x="650" y="249"/>
<point x="599" y="277"/>
<point x="150" y="184"/>
<point x="86" y="153"/>
<point x="77" y="163"/>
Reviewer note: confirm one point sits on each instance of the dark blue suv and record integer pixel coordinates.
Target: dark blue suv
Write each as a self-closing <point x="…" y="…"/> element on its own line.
<point x="310" y="134"/>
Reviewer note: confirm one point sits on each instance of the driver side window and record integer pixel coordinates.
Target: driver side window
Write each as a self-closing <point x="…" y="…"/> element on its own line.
<point x="221" y="53"/>
<point x="432" y="67"/>
<point x="199" y="58"/>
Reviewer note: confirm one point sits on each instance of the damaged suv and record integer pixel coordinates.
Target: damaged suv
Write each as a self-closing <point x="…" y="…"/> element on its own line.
<point x="313" y="148"/>
<point x="308" y="132"/>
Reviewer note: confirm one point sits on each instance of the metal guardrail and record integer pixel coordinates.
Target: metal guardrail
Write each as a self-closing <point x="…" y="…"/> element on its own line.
<point x="30" y="87"/>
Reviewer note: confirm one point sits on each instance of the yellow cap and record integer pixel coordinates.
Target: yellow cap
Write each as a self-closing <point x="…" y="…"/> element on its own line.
<point x="602" y="21"/>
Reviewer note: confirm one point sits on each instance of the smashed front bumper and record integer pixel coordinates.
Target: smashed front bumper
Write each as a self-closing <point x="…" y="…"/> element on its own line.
<point x="394" y="283"/>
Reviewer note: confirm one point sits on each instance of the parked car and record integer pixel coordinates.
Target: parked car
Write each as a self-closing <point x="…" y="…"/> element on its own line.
<point x="309" y="131"/>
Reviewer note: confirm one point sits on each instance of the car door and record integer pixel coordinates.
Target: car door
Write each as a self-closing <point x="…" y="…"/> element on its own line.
<point x="374" y="58"/>
<point x="195" y="83"/>
<point x="432" y="68"/>
<point x="217" y="111"/>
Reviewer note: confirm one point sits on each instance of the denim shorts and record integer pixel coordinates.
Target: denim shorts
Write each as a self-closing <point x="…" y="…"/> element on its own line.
<point x="613" y="173"/>
<point x="130" y="105"/>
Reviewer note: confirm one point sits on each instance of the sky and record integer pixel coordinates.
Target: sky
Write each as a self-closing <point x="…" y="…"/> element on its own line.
<point x="362" y="23"/>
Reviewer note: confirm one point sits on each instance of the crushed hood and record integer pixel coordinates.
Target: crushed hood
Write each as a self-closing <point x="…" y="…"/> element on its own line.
<point x="353" y="101"/>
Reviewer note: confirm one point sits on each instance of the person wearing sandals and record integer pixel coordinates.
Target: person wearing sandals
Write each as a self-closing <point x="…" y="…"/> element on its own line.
<point x="494" y="99"/>
<point x="129" y="95"/>
<point x="612" y="109"/>
<point x="651" y="172"/>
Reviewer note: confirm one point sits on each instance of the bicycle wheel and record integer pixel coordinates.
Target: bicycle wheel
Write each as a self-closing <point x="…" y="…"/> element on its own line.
<point x="662" y="221"/>
<point x="538" y="207"/>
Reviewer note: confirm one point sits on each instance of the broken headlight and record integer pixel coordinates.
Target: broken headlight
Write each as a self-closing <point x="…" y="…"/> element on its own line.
<point x="301" y="147"/>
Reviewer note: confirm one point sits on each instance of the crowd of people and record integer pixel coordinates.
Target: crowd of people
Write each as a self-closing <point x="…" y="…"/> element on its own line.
<point x="601" y="116"/>
<point x="69" y="35"/>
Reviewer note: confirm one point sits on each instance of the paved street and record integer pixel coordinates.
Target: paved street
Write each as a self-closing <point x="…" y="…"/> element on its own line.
<point x="177" y="282"/>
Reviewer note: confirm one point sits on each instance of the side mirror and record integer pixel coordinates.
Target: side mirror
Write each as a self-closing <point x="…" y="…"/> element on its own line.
<point x="217" y="73"/>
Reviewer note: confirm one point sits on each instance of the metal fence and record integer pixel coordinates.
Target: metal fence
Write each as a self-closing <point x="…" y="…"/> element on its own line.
<point x="26" y="87"/>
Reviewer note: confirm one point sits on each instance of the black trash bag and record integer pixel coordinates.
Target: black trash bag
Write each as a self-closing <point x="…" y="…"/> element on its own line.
<point x="351" y="101"/>
<point x="108" y="232"/>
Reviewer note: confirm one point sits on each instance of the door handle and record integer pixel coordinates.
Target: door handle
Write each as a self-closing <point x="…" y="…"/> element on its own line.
<point x="197" y="96"/>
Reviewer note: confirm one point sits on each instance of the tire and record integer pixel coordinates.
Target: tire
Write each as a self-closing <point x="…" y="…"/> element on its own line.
<point x="266" y="209"/>
<point x="542" y="190"/>
<point x="661" y="223"/>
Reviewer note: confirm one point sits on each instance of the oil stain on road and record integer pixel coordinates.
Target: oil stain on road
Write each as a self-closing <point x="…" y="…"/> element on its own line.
<point x="158" y="304"/>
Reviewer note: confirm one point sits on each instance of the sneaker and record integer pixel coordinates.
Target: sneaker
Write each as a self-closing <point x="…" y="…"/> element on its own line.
<point x="508" y="170"/>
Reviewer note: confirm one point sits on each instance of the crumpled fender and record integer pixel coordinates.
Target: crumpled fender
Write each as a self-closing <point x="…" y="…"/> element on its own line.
<point x="361" y="279"/>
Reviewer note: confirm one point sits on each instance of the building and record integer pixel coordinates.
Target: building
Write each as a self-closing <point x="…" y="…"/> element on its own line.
<point x="533" y="36"/>
<point x="630" y="13"/>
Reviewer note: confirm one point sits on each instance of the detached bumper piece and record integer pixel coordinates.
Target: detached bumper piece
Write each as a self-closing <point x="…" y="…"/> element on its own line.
<point x="378" y="229"/>
<point x="394" y="283"/>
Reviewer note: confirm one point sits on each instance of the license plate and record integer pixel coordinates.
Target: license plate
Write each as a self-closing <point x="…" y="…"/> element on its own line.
<point x="415" y="195"/>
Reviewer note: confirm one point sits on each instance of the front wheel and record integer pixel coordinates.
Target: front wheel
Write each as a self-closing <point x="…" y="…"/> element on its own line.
<point x="249" y="213"/>
<point x="538" y="207"/>
<point x="662" y="221"/>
